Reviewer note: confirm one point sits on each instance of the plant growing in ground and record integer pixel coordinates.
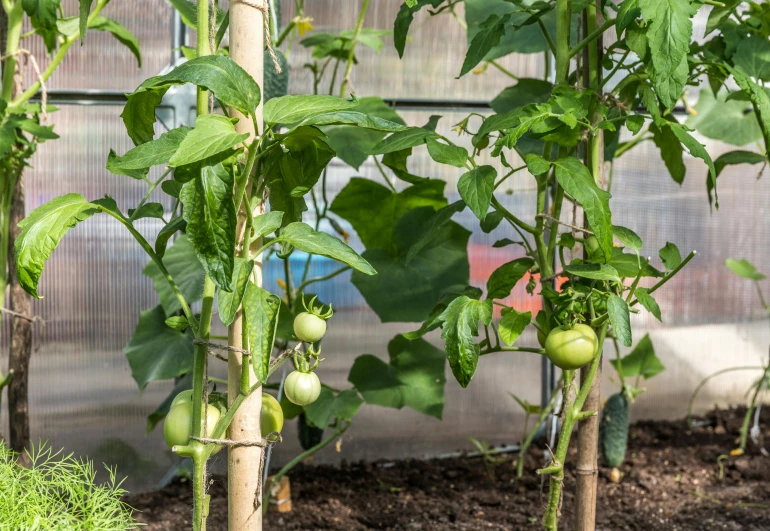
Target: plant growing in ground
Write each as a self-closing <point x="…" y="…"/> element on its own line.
<point x="750" y="426"/>
<point x="23" y="126"/>
<point x="564" y="132"/>
<point x="59" y="493"/>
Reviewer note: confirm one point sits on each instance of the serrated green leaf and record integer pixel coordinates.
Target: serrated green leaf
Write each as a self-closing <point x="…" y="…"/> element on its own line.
<point x="536" y="165"/>
<point x="303" y="237"/>
<point x="745" y="269"/>
<point x="476" y="188"/>
<point x="577" y="181"/>
<point x="649" y="304"/>
<point x="753" y="56"/>
<point x="512" y="324"/>
<point x="461" y="325"/>
<point x="260" y="311"/>
<point x="641" y="361"/>
<point x="293" y="109"/>
<point x="594" y="271"/>
<point x="42" y="231"/>
<point x="229" y="302"/>
<point x="447" y="153"/>
<point x="209" y="210"/>
<point x="628" y="238"/>
<point x="504" y="278"/>
<point x="488" y="36"/>
<point x="620" y="319"/>
<point x="628" y="12"/>
<point x="670" y="255"/>
<point x="157" y="352"/>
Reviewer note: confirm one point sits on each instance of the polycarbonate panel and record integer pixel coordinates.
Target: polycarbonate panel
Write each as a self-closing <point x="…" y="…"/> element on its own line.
<point x="103" y="63"/>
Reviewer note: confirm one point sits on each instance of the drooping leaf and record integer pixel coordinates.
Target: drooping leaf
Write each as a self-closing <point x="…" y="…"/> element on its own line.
<point x="139" y="114"/>
<point x="119" y="32"/>
<point x="168" y="230"/>
<point x="461" y="325"/>
<point x="641" y="361"/>
<point x="212" y="135"/>
<point x="184" y="268"/>
<point x="447" y="153"/>
<point x="330" y="407"/>
<point x="404" y="20"/>
<point x="696" y="149"/>
<point x="410" y="137"/>
<point x="303" y="237"/>
<point x="42" y="231"/>
<point x="44" y="11"/>
<point x="293" y="109"/>
<point x="628" y="238"/>
<point x="733" y="158"/>
<point x="433" y="228"/>
<point x="137" y="161"/>
<point x="355" y="118"/>
<point x="260" y="311"/>
<point x="157" y="352"/>
<point x="577" y="181"/>
<point x="489" y="35"/>
<point x="745" y="269"/>
<point x="512" y="324"/>
<point x="147" y="210"/>
<point x="229" y="302"/>
<point x="209" y="210"/>
<point x="620" y="318"/>
<point x="649" y="304"/>
<point x="670" y="150"/>
<point x="476" y="187"/>
<point x="522" y="34"/>
<point x="84" y="11"/>
<point x="504" y="278"/>
<point x="593" y="271"/>
<point x="729" y="120"/>
<point x="267" y="223"/>
<point x="300" y="164"/>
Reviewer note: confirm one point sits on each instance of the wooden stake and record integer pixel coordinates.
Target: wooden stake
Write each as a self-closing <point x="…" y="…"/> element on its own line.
<point x="244" y="463"/>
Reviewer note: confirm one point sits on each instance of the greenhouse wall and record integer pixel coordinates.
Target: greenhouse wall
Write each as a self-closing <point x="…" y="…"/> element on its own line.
<point x="84" y="399"/>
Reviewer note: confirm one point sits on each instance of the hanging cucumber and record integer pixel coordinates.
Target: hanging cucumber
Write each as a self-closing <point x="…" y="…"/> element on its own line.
<point x="613" y="434"/>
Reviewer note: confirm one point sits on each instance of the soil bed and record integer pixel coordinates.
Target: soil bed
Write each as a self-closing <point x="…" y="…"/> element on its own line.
<point x="670" y="482"/>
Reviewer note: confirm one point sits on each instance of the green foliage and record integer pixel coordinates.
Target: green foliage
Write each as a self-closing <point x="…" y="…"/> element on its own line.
<point x="59" y="493"/>
<point x="640" y="362"/>
<point x="461" y="324"/>
<point x="260" y="312"/>
<point x="744" y="269"/>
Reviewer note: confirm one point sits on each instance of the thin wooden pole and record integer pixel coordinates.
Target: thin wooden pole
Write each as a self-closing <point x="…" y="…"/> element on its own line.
<point x="243" y="463"/>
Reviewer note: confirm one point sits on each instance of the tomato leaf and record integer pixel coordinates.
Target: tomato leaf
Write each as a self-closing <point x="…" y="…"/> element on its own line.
<point x="628" y="238"/>
<point x="432" y="228"/>
<point x="293" y="109"/>
<point x="745" y="269"/>
<point x="229" y="302"/>
<point x="355" y="118"/>
<point x="670" y="255"/>
<point x="408" y="138"/>
<point x="118" y="31"/>
<point x="649" y="304"/>
<point x="212" y="135"/>
<point x="304" y="238"/>
<point x="593" y="271"/>
<point x="330" y="407"/>
<point x="696" y="149"/>
<point x="184" y="268"/>
<point x="504" y="278"/>
<point x="641" y="361"/>
<point x="476" y="187"/>
<point x="732" y="158"/>
<point x="620" y="318"/>
<point x="168" y="230"/>
<point x="512" y="324"/>
<point x="489" y="35"/>
<point x="260" y="311"/>
<point x="42" y="231"/>
<point x="577" y="181"/>
<point x="209" y="210"/>
<point x="670" y="150"/>
<point x="139" y="114"/>
<point x="157" y="352"/>
<point x="84" y="11"/>
<point x="461" y="325"/>
<point x="447" y="153"/>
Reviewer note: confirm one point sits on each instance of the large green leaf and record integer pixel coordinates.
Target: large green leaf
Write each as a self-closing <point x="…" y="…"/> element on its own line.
<point x="377" y="381"/>
<point x="641" y="361"/>
<point x="300" y="164"/>
<point x="293" y="109"/>
<point x="375" y="224"/>
<point x="504" y="278"/>
<point x="230" y="83"/>
<point x="461" y="325"/>
<point x="355" y="118"/>
<point x="44" y="11"/>
<point x="669" y="32"/>
<point x="267" y="223"/>
<point x="745" y="269"/>
<point x="593" y="271"/>
<point x="260" y="311"/>
<point x="670" y="150"/>
<point x="330" y="407"/>
<point x="517" y="38"/>
<point x="352" y="144"/>
<point x="137" y="161"/>
<point x="476" y="187"/>
<point x="698" y="150"/>
<point x="42" y="231"/>
<point x="577" y="181"/>
<point x="407" y="291"/>
<point x="753" y="56"/>
<point x="524" y="92"/>
<point x="209" y="209"/>
<point x="648" y="302"/>
<point x="184" y="268"/>
<point x="404" y="20"/>
<point x="212" y="135"/>
<point x="487" y="37"/>
<point x="731" y="121"/>
<point x="409" y="138"/>
<point x="759" y="98"/>
<point x="303" y="237"/>
<point x="139" y="114"/>
<point x="433" y="228"/>
<point x="120" y="33"/>
<point x="229" y="302"/>
<point x="444" y="153"/>
<point x="157" y="352"/>
<point x="512" y="324"/>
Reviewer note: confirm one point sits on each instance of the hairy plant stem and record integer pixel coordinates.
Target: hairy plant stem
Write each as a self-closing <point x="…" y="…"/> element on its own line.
<point x="351" y="55"/>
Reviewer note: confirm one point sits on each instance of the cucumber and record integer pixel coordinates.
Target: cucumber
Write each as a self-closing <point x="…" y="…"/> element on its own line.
<point x="309" y="435"/>
<point x="275" y="84"/>
<point x="613" y="430"/>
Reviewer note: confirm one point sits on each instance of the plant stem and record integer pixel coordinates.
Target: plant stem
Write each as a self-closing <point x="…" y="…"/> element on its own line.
<point x="753" y="404"/>
<point x="13" y="35"/>
<point x="527" y="442"/>
<point x="595" y="33"/>
<point x="351" y="55"/>
<point x="331" y="275"/>
<point x="709" y="378"/>
<point x="511" y="217"/>
<point x="504" y="70"/>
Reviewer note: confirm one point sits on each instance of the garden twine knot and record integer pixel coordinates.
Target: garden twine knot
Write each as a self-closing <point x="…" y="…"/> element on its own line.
<point x="264" y="7"/>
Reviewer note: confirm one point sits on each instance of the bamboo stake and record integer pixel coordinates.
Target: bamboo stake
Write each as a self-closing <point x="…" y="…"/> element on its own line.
<point x="243" y="463"/>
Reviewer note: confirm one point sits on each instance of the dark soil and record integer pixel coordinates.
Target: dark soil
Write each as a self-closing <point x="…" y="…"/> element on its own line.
<point x="670" y="481"/>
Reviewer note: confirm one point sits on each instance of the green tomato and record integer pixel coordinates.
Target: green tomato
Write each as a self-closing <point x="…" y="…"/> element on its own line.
<point x="184" y="396"/>
<point x="271" y="418"/>
<point x="309" y="328"/>
<point x="177" y="427"/>
<point x="571" y="349"/>
<point x="592" y="245"/>
<point x="302" y="388"/>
